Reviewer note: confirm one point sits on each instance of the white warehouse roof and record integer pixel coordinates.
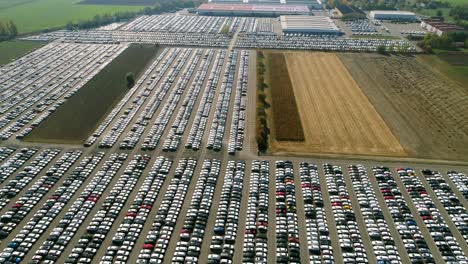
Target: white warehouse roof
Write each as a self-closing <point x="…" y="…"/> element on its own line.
<point x="308" y="24"/>
<point x="391" y="14"/>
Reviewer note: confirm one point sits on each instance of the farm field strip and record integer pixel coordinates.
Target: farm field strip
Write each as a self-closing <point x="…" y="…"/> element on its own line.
<point x="424" y="109"/>
<point x="327" y="95"/>
<point x="286" y="119"/>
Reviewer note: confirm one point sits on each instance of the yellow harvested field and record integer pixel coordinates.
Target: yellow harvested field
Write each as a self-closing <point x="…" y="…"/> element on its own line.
<point x="336" y="115"/>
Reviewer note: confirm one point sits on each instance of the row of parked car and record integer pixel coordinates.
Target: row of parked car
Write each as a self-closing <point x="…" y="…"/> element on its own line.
<point x="361" y="25"/>
<point x="115" y="37"/>
<point x="102" y="221"/>
<point x="189" y="245"/>
<point x="219" y="122"/>
<point x="5" y="152"/>
<point x="15" y="162"/>
<point x="24" y="177"/>
<point x="382" y="241"/>
<point x="318" y="42"/>
<point x="182" y="24"/>
<point x="349" y="235"/>
<point x="256" y="223"/>
<point x="181" y="121"/>
<point x="61" y="235"/>
<point x="124" y="239"/>
<point x="47" y="81"/>
<point x="461" y="182"/>
<point x="410" y="233"/>
<point x="227" y="215"/>
<point x="236" y="134"/>
<point x="43" y="217"/>
<point x="287" y="227"/>
<point x="167" y="215"/>
<point x="201" y="118"/>
<point x="432" y="218"/>
<point x="318" y="234"/>
<point x="130" y="111"/>
<point x="161" y="122"/>
<point x="448" y="199"/>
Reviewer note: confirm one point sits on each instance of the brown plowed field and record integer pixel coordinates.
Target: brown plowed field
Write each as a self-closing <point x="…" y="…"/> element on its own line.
<point x="336" y="115"/>
<point x="426" y="111"/>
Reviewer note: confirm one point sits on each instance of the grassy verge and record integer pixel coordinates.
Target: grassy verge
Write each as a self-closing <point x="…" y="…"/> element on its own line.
<point x="77" y="118"/>
<point x="262" y="130"/>
<point x="287" y="122"/>
<point x="376" y="37"/>
<point x="440" y="62"/>
<point x="11" y="50"/>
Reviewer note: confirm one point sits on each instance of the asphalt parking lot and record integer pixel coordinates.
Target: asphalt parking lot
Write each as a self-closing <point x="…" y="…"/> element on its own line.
<point x="212" y="205"/>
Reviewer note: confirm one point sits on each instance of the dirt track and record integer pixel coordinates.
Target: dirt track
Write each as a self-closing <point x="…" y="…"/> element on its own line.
<point x="336" y="115"/>
<point x="426" y="111"/>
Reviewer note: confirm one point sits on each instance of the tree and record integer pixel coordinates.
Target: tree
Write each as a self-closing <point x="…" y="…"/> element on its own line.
<point x="439" y="13"/>
<point x="381" y="49"/>
<point x="130" y="77"/>
<point x="225" y="30"/>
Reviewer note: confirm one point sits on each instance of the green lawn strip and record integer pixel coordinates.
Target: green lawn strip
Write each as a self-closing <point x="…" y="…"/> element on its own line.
<point x="11" y="50"/>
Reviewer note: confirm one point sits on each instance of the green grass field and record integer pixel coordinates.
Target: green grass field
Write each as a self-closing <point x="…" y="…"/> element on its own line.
<point x="36" y="15"/>
<point x="444" y="62"/>
<point x="79" y="116"/>
<point x="10" y="50"/>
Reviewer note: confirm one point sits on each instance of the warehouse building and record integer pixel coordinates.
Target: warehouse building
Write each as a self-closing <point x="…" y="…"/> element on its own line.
<point x="309" y="25"/>
<point x="251" y="10"/>
<point x="439" y="27"/>
<point x="392" y="15"/>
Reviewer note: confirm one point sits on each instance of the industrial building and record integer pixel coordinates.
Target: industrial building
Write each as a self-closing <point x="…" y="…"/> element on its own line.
<point x="251" y="10"/>
<point x="439" y="27"/>
<point x="309" y="25"/>
<point x="392" y="15"/>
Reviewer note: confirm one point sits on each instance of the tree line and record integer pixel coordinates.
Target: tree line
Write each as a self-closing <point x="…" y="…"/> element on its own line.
<point x="8" y="30"/>
<point x="161" y="6"/>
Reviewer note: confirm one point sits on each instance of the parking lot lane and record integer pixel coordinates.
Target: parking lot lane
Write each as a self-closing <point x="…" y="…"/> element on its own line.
<point x="44" y="198"/>
<point x="359" y="218"/>
<point x="205" y="247"/>
<point x="337" y="252"/>
<point x="300" y="213"/>
<point x="182" y="214"/>
<point x="447" y="219"/>
<point x="388" y="218"/>
<point x="238" y="253"/>
<point x="456" y="189"/>
<point x="250" y="144"/>
<point x="120" y="218"/>
<point x="422" y="226"/>
<point x="97" y="206"/>
<point x="65" y="209"/>
<point x="271" y="233"/>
